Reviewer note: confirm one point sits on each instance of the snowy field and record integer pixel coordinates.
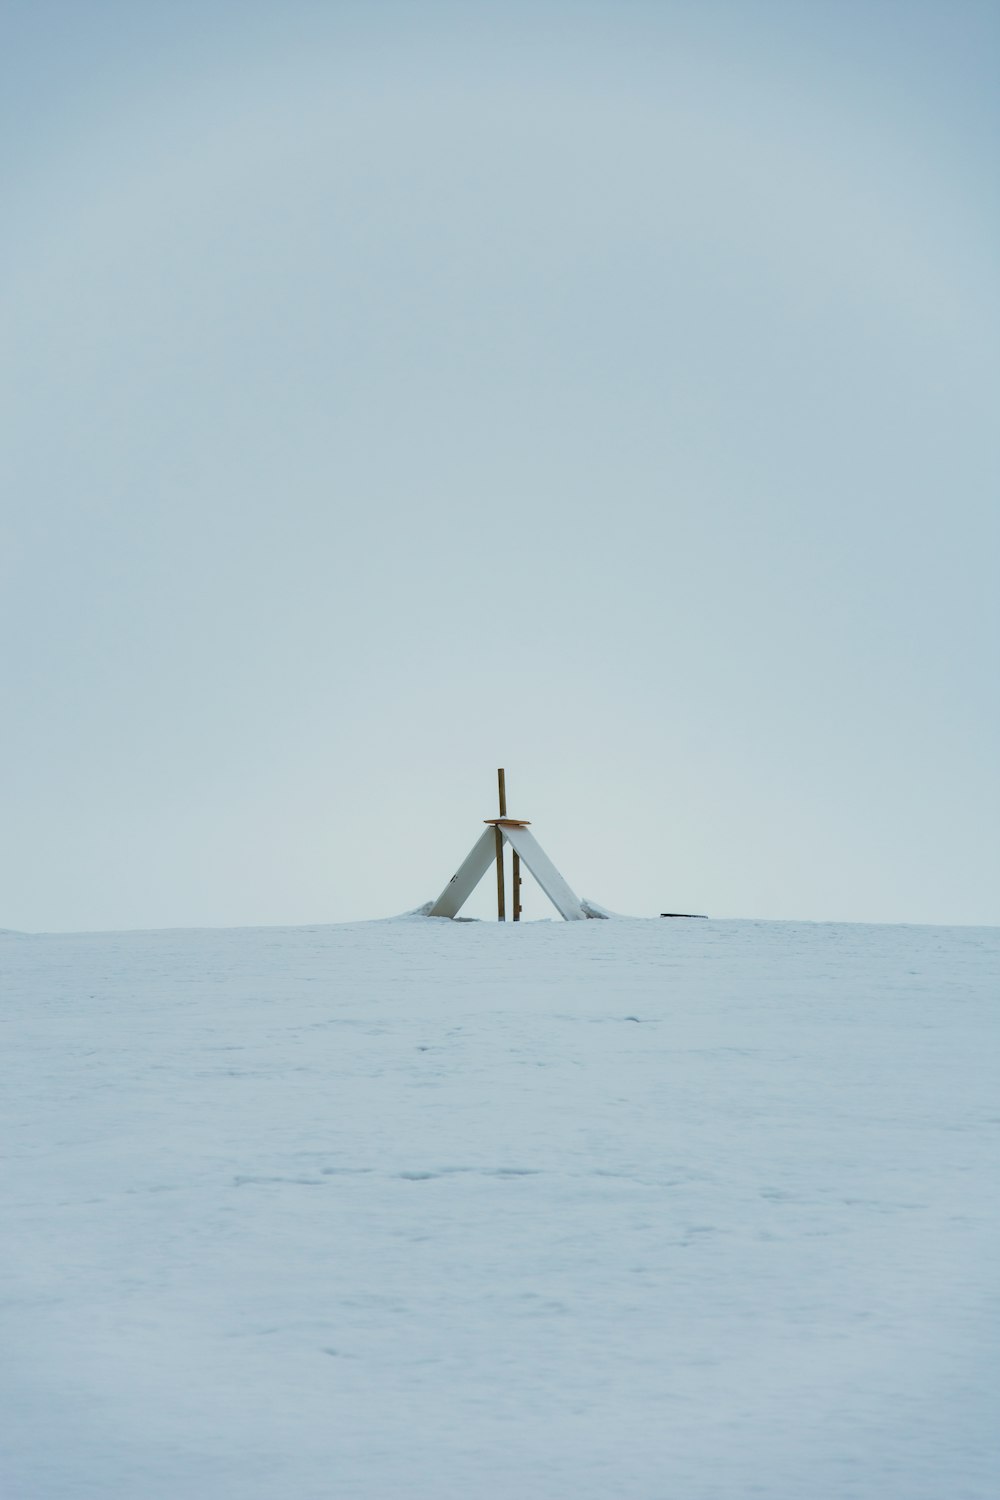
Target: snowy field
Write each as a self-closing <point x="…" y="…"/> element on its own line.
<point x="641" y="1209"/>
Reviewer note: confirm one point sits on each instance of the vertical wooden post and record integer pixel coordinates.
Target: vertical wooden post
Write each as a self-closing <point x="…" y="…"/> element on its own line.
<point x="516" y="884"/>
<point x="501" y="912"/>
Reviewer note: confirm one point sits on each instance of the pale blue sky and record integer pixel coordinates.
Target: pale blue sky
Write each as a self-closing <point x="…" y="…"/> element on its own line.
<point x="395" y="391"/>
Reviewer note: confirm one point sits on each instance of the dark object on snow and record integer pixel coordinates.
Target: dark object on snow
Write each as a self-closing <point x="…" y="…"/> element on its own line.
<point x="698" y="915"/>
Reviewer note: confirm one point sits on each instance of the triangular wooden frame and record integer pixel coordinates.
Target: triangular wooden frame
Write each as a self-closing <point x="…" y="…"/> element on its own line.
<point x="483" y="854"/>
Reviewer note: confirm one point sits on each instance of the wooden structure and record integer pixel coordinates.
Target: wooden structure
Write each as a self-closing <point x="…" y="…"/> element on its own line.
<point x="525" y="848"/>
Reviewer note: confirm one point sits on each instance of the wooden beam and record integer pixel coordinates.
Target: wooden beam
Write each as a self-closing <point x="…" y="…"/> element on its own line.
<point x="468" y="875"/>
<point x="501" y="913"/>
<point x="565" y="901"/>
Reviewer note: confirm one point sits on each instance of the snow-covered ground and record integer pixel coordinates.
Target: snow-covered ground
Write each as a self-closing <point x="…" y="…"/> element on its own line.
<point x="642" y="1209"/>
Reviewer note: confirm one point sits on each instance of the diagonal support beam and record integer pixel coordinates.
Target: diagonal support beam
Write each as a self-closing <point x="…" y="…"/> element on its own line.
<point x="468" y="875"/>
<point x="524" y="843"/>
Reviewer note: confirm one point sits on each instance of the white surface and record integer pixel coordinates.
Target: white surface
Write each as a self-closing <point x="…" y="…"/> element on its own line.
<point x="663" y="1210"/>
<point x="468" y="875"/>
<point x="565" y="901"/>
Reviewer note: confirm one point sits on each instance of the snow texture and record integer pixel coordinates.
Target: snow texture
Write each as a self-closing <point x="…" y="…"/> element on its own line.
<point x="638" y="1209"/>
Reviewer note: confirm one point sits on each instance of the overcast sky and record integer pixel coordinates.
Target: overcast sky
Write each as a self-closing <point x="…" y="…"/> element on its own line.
<point x="392" y="392"/>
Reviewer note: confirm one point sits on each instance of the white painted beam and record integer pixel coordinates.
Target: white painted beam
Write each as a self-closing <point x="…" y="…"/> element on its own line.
<point x="468" y="875"/>
<point x="548" y="877"/>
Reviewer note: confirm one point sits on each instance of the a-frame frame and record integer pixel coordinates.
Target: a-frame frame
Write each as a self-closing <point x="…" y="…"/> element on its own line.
<point x="488" y="849"/>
